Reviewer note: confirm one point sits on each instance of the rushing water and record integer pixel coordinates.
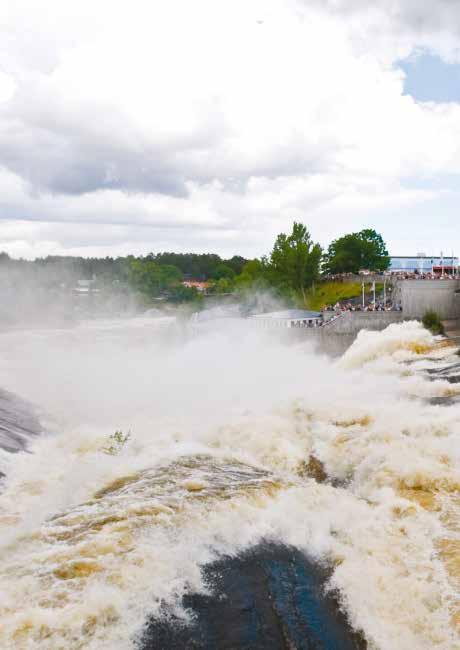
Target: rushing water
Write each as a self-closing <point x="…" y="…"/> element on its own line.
<point x="234" y="440"/>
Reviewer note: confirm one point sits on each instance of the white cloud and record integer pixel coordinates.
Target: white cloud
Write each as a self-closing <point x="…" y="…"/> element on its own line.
<point x="7" y="87"/>
<point x="210" y="124"/>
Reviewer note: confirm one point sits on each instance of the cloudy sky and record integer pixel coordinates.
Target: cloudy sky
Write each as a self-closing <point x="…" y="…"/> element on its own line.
<point x="209" y="125"/>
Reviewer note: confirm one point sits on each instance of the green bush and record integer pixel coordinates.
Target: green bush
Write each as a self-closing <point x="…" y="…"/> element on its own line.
<point x="432" y="322"/>
<point x="116" y="442"/>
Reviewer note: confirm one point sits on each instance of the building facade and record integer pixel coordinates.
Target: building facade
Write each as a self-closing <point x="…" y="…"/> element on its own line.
<point x="424" y="264"/>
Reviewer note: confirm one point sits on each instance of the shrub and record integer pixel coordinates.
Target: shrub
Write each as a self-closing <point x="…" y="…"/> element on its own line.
<point x="432" y="322"/>
<point x="116" y="442"/>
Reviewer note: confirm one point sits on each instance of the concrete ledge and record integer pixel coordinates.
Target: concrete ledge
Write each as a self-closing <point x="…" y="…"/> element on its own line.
<point x="352" y="322"/>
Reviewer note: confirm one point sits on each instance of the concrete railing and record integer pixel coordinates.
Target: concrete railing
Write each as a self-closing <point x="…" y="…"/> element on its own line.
<point x="330" y="320"/>
<point x="352" y="322"/>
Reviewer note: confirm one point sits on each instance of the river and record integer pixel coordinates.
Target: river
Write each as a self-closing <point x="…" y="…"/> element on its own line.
<point x="228" y="442"/>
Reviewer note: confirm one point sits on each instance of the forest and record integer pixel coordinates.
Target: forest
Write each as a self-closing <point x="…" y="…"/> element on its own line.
<point x="295" y="264"/>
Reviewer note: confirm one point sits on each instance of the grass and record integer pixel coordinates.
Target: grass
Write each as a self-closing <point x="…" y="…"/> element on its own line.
<point x="328" y="293"/>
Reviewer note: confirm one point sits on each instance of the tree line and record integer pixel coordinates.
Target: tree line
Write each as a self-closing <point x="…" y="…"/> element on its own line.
<point x="294" y="264"/>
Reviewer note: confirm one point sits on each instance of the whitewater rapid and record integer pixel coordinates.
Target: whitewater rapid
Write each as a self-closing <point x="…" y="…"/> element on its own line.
<point x="224" y="431"/>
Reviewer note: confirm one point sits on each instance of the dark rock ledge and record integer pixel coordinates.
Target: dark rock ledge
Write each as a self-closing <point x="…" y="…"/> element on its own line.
<point x="18" y="423"/>
<point x="271" y="597"/>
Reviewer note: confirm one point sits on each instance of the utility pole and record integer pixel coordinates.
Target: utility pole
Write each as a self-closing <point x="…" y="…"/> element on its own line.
<point x="364" y="304"/>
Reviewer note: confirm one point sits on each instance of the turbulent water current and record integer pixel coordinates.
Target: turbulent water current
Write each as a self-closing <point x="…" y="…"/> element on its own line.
<point x="228" y="440"/>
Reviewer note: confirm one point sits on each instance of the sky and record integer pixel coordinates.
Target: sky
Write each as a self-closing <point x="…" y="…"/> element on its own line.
<point x="430" y="79"/>
<point x="210" y="125"/>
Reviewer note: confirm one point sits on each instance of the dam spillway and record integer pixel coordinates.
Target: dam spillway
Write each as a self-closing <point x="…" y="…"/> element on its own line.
<point x="246" y="457"/>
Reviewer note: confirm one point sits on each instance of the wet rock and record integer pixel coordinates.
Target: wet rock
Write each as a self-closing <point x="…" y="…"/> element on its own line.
<point x="272" y="597"/>
<point x="449" y="373"/>
<point x="444" y="400"/>
<point x="18" y="422"/>
<point x="313" y="469"/>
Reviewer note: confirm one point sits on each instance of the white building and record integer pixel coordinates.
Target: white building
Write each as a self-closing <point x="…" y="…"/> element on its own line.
<point x="288" y="318"/>
<point x="436" y="265"/>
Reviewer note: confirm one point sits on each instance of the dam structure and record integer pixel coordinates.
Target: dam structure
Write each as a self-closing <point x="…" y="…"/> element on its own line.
<point x="416" y="297"/>
<point x="441" y="296"/>
<point x="336" y="335"/>
<point x="338" y="330"/>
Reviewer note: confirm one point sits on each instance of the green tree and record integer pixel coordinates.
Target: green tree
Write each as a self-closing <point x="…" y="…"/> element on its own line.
<point x="236" y="263"/>
<point x="151" y="279"/>
<point x="253" y="275"/>
<point x="180" y="293"/>
<point x="223" y="285"/>
<point x="355" y="251"/>
<point x="295" y="260"/>
<point x="223" y="271"/>
<point x="198" y="266"/>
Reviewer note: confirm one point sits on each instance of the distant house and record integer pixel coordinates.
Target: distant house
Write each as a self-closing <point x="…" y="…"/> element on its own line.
<point x="85" y="286"/>
<point x="288" y="318"/>
<point x="199" y="286"/>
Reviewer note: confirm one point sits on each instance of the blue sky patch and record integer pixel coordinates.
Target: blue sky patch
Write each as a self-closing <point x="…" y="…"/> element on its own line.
<point x="430" y="79"/>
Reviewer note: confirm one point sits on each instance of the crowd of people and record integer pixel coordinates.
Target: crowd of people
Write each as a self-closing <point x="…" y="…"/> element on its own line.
<point x="397" y="275"/>
<point x="416" y="275"/>
<point x="349" y="306"/>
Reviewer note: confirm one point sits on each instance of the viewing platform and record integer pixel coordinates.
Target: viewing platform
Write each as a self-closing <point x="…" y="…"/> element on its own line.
<point x="288" y="318"/>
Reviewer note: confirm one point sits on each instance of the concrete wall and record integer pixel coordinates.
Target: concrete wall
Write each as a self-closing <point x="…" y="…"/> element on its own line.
<point x="322" y="340"/>
<point x="351" y="322"/>
<point x="334" y="339"/>
<point x="418" y="296"/>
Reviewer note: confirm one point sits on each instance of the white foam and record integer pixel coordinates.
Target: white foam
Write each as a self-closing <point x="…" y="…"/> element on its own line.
<point x="230" y="395"/>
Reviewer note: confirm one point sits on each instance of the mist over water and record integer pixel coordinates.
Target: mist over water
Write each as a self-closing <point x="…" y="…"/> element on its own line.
<point x="224" y="424"/>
